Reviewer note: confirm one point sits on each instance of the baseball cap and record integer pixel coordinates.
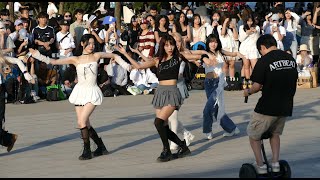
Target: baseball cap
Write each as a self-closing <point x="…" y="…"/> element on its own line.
<point x="17" y="22"/>
<point x="144" y="21"/>
<point x="171" y="12"/>
<point x="91" y="19"/>
<point x="108" y="20"/>
<point x="64" y="22"/>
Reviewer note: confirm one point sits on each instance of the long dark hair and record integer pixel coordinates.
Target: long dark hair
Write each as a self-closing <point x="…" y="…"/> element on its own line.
<point x="245" y="24"/>
<point x="177" y="22"/>
<point x="162" y="53"/>
<point x="166" y="25"/>
<point x="194" y="16"/>
<point x="85" y="40"/>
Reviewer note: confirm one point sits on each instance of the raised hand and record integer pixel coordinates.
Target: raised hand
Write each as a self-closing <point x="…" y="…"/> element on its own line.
<point x="134" y="50"/>
<point x="120" y="49"/>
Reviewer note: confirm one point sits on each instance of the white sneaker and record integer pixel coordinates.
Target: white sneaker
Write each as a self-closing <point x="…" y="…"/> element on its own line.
<point x="173" y="146"/>
<point x="260" y="169"/>
<point x="275" y="167"/>
<point x="146" y="92"/>
<point x="188" y="137"/>
<point x="233" y="133"/>
<point x="209" y="135"/>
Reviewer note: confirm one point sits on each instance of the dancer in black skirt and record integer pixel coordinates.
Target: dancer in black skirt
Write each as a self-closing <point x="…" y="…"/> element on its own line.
<point x="167" y="97"/>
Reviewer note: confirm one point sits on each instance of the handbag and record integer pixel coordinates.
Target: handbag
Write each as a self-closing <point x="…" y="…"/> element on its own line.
<point x="54" y="93"/>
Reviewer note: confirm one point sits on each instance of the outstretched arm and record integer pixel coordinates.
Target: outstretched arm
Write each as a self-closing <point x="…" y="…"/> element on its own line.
<point x="70" y="60"/>
<point x="136" y="65"/>
<point x="139" y="53"/>
<point x="21" y="66"/>
<point x="117" y="58"/>
<point x="233" y="54"/>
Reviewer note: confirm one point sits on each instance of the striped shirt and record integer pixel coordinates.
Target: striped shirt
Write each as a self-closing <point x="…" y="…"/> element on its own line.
<point x="147" y="41"/>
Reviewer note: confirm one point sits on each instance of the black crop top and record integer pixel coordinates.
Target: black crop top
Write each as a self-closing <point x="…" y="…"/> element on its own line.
<point x="161" y="33"/>
<point x="168" y="69"/>
<point x="184" y="33"/>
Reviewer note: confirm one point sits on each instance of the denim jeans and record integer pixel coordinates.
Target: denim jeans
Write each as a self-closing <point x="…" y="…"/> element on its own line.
<point x="142" y="87"/>
<point x="210" y="111"/>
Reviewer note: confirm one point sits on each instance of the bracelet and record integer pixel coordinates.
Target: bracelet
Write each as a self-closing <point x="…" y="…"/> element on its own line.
<point x="25" y="72"/>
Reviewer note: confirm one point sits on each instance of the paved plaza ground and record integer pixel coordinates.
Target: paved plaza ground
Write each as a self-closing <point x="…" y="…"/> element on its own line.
<point x="49" y="142"/>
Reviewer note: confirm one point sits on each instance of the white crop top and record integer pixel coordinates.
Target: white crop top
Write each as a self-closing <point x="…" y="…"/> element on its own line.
<point x="217" y="68"/>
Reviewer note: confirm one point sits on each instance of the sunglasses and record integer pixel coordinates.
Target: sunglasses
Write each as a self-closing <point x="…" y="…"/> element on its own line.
<point x="5" y="14"/>
<point x="67" y="15"/>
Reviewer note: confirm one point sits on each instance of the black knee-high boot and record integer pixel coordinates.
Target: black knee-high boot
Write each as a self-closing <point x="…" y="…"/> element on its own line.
<point x="86" y="154"/>
<point x="183" y="149"/>
<point x="166" y="153"/>
<point x="101" y="149"/>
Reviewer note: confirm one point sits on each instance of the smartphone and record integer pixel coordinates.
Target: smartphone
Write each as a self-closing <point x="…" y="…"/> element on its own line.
<point x="28" y="55"/>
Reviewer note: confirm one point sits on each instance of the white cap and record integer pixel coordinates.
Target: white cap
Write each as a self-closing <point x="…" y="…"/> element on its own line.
<point x="92" y="18"/>
<point x="85" y="17"/>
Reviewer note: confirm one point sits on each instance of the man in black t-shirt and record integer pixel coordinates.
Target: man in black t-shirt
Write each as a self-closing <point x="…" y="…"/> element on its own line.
<point x="276" y="75"/>
<point x="43" y="35"/>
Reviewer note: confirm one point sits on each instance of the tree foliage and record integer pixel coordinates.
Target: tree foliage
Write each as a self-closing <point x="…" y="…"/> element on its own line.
<point x="139" y="6"/>
<point x="88" y="7"/>
<point x="2" y="5"/>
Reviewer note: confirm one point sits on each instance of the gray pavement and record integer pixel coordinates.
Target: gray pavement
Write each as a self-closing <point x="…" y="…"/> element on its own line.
<point x="49" y="142"/>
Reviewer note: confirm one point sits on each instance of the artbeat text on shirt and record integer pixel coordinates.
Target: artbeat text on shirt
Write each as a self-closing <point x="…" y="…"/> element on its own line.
<point x="282" y="64"/>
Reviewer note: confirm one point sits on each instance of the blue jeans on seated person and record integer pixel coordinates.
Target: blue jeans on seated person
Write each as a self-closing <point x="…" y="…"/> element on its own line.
<point x="210" y="111"/>
<point x="142" y="87"/>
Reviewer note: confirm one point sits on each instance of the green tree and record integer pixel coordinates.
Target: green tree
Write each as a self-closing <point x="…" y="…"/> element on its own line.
<point x="3" y="5"/>
<point x="88" y="7"/>
<point x="137" y="6"/>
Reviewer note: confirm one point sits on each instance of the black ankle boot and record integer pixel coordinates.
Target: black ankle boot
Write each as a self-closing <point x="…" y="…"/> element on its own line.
<point x="183" y="150"/>
<point x="86" y="154"/>
<point x="165" y="156"/>
<point x="101" y="149"/>
<point x="7" y="139"/>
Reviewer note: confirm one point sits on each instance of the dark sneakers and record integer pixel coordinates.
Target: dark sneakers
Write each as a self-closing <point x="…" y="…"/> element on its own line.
<point x="183" y="151"/>
<point x="14" y="139"/>
<point x="165" y="156"/>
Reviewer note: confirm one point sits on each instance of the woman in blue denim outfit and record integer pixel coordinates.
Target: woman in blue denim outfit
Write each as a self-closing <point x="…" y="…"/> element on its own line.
<point x="214" y="84"/>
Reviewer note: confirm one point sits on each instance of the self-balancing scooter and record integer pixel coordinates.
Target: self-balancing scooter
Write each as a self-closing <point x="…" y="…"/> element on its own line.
<point x="248" y="170"/>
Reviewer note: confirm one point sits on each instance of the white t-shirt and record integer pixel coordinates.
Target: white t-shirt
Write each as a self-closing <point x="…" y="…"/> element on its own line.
<point x="306" y="62"/>
<point x="66" y="43"/>
<point x="17" y="6"/>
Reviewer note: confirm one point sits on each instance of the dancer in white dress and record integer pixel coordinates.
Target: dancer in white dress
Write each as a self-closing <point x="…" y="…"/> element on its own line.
<point x="86" y="95"/>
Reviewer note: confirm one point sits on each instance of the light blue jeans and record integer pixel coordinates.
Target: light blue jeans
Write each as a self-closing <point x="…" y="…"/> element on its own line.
<point x="142" y="87"/>
<point x="210" y="111"/>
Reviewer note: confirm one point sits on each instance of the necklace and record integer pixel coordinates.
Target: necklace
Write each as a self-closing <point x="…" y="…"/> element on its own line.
<point x="87" y="54"/>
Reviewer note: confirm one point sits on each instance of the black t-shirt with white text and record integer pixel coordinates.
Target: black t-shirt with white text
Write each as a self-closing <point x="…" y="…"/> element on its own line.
<point x="277" y="73"/>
